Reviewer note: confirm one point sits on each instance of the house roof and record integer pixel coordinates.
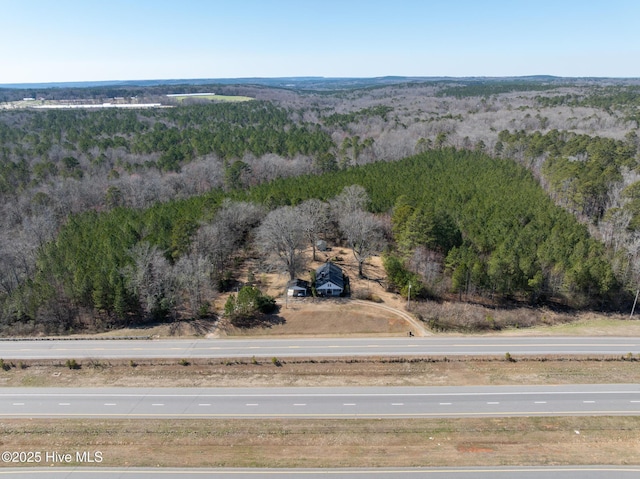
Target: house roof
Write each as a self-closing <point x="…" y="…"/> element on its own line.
<point x="297" y="283"/>
<point x="329" y="272"/>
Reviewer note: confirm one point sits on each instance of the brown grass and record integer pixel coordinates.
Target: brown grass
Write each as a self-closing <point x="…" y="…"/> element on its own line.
<point x="260" y="372"/>
<point x="335" y="443"/>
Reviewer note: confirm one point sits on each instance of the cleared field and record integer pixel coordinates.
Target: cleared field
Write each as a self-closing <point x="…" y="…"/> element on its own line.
<point x="227" y="98"/>
<point x="335" y="443"/>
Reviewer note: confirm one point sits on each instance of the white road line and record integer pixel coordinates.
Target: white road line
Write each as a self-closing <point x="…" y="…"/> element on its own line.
<point x="64" y="404"/>
<point x="540" y="402"/>
<point x="349" y="404"/>
<point x="493" y="402"/>
<point x="634" y="401"/>
<point x="109" y="404"/>
<point x="397" y="404"/>
<point x="300" y="404"/>
<point x="157" y="404"/>
<point x="204" y="404"/>
<point x="18" y="404"/>
<point x="252" y="404"/>
<point x="301" y="395"/>
<point x="445" y="404"/>
<point x="588" y="402"/>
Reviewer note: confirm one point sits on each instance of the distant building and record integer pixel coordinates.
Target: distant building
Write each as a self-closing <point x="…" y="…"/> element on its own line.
<point x="329" y="280"/>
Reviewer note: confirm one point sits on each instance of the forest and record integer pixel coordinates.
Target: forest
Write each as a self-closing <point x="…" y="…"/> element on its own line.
<point x="513" y="191"/>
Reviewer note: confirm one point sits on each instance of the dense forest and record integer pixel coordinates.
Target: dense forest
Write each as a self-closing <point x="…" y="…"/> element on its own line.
<point x="512" y="191"/>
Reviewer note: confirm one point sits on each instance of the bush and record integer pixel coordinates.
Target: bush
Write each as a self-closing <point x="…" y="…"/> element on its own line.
<point x="368" y="296"/>
<point x="72" y="364"/>
<point x="250" y="303"/>
<point x="4" y="365"/>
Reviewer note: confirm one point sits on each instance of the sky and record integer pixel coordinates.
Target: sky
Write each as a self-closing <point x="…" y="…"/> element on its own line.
<point x="98" y="40"/>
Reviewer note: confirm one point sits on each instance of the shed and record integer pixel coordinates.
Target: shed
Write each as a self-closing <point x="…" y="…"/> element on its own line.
<point x="297" y="288"/>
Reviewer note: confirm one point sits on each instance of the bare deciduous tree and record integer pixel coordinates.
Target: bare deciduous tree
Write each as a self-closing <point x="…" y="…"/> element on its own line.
<point x="352" y="198"/>
<point x="314" y="220"/>
<point x="364" y="233"/>
<point x="151" y="279"/>
<point x="282" y="235"/>
<point x="193" y="273"/>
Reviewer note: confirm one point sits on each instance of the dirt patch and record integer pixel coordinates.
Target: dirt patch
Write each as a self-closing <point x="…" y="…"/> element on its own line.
<point x="474" y="448"/>
<point x="328" y="317"/>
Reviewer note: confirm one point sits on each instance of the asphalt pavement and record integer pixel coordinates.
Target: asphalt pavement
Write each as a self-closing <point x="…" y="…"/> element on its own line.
<point x="317" y="347"/>
<point x="343" y="402"/>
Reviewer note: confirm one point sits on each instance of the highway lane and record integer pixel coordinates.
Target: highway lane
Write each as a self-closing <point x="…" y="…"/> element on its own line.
<point x="548" y="472"/>
<point x="342" y="402"/>
<point x="319" y="347"/>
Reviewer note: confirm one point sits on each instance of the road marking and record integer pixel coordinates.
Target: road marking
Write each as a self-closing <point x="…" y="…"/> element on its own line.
<point x="204" y="404"/>
<point x="64" y="404"/>
<point x="540" y="402"/>
<point x="445" y="404"/>
<point x="397" y="404"/>
<point x="588" y="402"/>
<point x="634" y="401"/>
<point x="18" y="404"/>
<point x="300" y="404"/>
<point x="493" y="402"/>
<point x="157" y="404"/>
<point x="252" y="404"/>
<point x="349" y="404"/>
<point x="109" y="404"/>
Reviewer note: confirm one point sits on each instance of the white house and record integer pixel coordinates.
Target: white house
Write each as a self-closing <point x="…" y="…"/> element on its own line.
<point x="329" y="280"/>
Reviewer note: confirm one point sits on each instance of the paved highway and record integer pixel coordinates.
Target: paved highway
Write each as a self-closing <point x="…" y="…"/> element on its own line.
<point x="343" y="402"/>
<point x="551" y="472"/>
<point x="325" y="347"/>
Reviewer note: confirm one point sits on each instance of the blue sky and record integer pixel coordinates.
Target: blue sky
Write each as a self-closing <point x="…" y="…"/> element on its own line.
<point x="83" y="40"/>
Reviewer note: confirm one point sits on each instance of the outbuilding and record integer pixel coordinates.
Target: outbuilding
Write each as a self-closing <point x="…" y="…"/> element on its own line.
<point x="297" y="288"/>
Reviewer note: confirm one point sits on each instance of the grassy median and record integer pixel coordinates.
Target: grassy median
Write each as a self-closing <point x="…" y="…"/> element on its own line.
<point x="371" y="371"/>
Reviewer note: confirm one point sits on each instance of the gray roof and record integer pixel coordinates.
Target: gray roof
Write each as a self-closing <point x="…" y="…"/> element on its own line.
<point x="329" y="272"/>
<point x="298" y="283"/>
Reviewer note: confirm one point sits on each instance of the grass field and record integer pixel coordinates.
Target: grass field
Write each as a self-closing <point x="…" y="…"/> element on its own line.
<point x="335" y="443"/>
<point x="261" y="372"/>
<point x="225" y="98"/>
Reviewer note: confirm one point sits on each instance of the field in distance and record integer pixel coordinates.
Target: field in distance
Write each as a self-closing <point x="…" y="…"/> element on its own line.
<point x="214" y="97"/>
